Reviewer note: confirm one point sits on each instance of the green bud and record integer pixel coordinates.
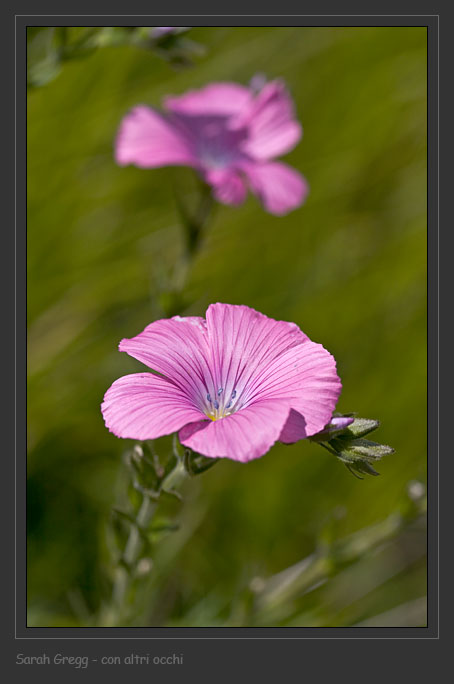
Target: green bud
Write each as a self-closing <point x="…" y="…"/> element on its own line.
<point x="359" y="454"/>
<point x="346" y="442"/>
<point x="355" y="449"/>
<point x="360" y="427"/>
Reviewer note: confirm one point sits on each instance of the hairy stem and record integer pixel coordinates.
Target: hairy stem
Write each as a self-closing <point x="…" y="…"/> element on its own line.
<point x="126" y="572"/>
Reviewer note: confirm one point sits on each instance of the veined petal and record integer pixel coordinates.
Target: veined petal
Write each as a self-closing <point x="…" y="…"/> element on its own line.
<point x="259" y="358"/>
<point x="228" y="186"/>
<point x="146" y="406"/>
<point x="148" y="140"/>
<point x="216" y="98"/>
<point x="270" y="119"/>
<point x="176" y="348"/>
<point x="279" y="187"/>
<point x="306" y="377"/>
<point x="242" y="436"/>
<point x="242" y="342"/>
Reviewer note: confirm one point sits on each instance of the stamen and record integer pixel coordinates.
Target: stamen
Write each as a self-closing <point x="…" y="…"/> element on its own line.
<point x="229" y="404"/>
<point x="233" y="394"/>
<point x="220" y="391"/>
<point x="216" y="405"/>
<point x="209" y="398"/>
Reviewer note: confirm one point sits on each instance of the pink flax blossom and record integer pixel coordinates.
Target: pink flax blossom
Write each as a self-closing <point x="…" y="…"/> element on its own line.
<point x="230" y="134"/>
<point x="231" y="385"/>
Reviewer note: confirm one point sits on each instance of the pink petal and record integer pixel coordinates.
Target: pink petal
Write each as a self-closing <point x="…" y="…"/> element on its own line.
<point x="306" y="376"/>
<point x="176" y="348"/>
<point x="273" y="129"/>
<point x="259" y="358"/>
<point x="228" y="186"/>
<point x="294" y="428"/>
<point x="242" y="343"/>
<point x="216" y="98"/>
<point x="148" y="140"/>
<point x="145" y="406"/>
<point x="280" y="188"/>
<point x="242" y="436"/>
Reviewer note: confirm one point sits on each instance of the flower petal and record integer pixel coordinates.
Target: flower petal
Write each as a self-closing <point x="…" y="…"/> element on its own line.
<point x="242" y="436"/>
<point x="148" y="140"/>
<point x="273" y="129"/>
<point x="216" y="98"/>
<point x="228" y="186"/>
<point x="306" y="376"/>
<point x="242" y="343"/>
<point x="146" y="406"/>
<point x="176" y="348"/>
<point x="259" y="358"/>
<point x="294" y="428"/>
<point x="280" y="188"/>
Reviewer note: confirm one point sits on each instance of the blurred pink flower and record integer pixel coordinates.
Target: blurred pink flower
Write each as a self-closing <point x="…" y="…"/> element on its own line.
<point x="161" y="31"/>
<point x="230" y="134"/>
<point x="232" y="385"/>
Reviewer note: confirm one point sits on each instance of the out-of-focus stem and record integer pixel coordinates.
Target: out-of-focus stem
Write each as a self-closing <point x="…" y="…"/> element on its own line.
<point x="131" y="554"/>
<point x="284" y="587"/>
<point x="196" y="225"/>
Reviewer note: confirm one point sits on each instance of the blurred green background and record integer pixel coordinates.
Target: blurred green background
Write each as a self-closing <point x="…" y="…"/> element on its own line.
<point x="349" y="268"/>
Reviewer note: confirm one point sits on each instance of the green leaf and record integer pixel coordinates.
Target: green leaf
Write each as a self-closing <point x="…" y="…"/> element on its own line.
<point x="125" y="516"/>
<point x="169" y="465"/>
<point x="195" y="464"/>
<point x="361" y="467"/>
<point x="147" y="471"/>
<point x="164" y="527"/>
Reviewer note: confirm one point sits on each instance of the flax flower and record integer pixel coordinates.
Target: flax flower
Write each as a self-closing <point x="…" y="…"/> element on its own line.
<point x="230" y="134"/>
<point x="231" y="385"/>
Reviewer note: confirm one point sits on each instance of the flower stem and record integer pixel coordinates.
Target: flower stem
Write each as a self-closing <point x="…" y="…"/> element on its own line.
<point x="127" y="570"/>
<point x="194" y="223"/>
<point x="195" y="227"/>
<point x="131" y="552"/>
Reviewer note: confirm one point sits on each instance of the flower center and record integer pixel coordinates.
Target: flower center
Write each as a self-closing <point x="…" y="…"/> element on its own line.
<point x="217" y="146"/>
<point x="220" y="406"/>
<point x="214" y="154"/>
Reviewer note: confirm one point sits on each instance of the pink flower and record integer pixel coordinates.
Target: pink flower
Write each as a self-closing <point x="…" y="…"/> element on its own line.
<point x="161" y="31"/>
<point x="230" y="134"/>
<point x="231" y="385"/>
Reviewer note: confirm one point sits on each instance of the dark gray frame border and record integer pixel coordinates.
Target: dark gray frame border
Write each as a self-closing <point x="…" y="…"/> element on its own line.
<point x="232" y="633"/>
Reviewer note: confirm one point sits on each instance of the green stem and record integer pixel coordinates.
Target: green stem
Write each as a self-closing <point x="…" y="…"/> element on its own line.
<point x="277" y="594"/>
<point x="131" y="555"/>
<point x="195" y="227"/>
<point x="195" y="223"/>
<point x="175" y="477"/>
